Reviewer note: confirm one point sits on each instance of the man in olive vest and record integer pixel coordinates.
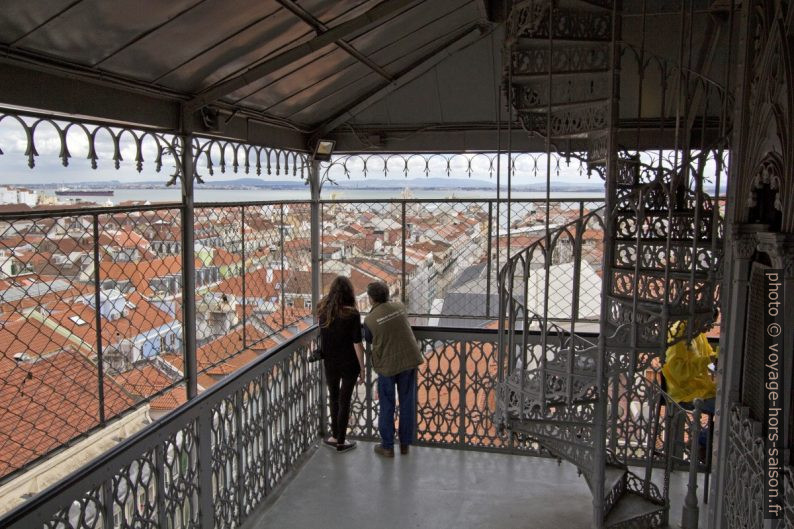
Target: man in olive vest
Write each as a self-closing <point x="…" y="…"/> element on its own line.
<point x="395" y="357"/>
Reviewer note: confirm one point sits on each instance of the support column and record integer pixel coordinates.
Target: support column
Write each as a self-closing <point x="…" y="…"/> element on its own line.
<point x="316" y="232"/>
<point x="188" y="269"/>
<point x="317" y="269"/>
<point x="739" y="249"/>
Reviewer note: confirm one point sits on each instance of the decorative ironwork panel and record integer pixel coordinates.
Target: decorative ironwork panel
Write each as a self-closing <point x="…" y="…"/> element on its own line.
<point x="86" y="513"/>
<point x="277" y="430"/>
<point x="479" y="383"/>
<point x="161" y="486"/>
<point x="213" y="154"/>
<point x="225" y="487"/>
<point x="570" y="24"/>
<point x="252" y="438"/>
<point x="94" y="141"/>
<point x="178" y="458"/>
<point x="534" y="95"/>
<point x="567" y="122"/>
<point x="134" y="492"/>
<point x="744" y="482"/>
<point x="564" y="60"/>
<point x="440" y="409"/>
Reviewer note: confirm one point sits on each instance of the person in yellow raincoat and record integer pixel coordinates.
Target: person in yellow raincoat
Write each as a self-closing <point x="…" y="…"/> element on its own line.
<point x="686" y="371"/>
<point x="686" y="367"/>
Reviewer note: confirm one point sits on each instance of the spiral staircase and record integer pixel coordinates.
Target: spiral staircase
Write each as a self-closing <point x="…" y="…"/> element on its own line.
<point x="568" y="393"/>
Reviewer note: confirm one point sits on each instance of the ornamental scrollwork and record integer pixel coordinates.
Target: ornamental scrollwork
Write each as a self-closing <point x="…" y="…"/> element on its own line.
<point x="212" y="154"/>
<point x="461" y="165"/>
<point x="96" y="140"/>
<point x="118" y="143"/>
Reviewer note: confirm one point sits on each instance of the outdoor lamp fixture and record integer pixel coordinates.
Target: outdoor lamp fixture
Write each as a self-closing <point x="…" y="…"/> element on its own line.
<point x="323" y="150"/>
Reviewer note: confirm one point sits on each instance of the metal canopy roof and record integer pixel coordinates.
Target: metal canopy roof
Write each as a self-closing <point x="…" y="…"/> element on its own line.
<point x="396" y="74"/>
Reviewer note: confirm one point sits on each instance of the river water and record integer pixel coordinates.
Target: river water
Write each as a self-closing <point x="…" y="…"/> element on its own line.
<point x="253" y="195"/>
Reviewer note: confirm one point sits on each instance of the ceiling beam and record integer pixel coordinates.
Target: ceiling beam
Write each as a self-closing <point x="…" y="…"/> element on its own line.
<point x="456" y="43"/>
<point x="254" y="73"/>
<point x="320" y="28"/>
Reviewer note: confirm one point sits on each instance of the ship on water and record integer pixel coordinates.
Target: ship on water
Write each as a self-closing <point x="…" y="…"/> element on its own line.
<point x="66" y="192"/>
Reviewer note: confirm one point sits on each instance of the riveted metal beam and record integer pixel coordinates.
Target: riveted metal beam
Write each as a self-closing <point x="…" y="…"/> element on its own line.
<point x="320" y="28"/>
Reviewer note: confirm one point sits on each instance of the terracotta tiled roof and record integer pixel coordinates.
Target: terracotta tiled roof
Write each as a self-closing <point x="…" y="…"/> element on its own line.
<point x="140" y="273"/>
<point x="48" y="403"/>
<point x="144" y="380"/>
<point x="224" y="355"/>
<point x="169" y="400"/>
<point x="14" y="208"/>
<point x="221" y="257"/>
<point x="300" y="281"/>
<point x="32" y="338"/>
<point x="144" y="317"/>
<point x="256" y="284"/>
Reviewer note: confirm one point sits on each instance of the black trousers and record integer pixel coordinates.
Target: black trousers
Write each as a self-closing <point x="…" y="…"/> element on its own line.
<point x="340" y="393"/>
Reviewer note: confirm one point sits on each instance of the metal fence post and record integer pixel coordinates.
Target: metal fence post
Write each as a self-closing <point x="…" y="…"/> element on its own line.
<point x="282" y="280"/>
<point x="188" y="269"/>
<point x="159" y="468"/>
<point x="242" y="272"/>
<point x="463" y="363"/>
<point x="240" y="450"/>
<point x="317" y="268"/>
<point x="316" y="233"/>
<point x="488" y="262"/>
<point x="403" y="295"/>
<point x="691" y="512"/>
<point x="206" y="504"/>
<point x="98" y="313"/>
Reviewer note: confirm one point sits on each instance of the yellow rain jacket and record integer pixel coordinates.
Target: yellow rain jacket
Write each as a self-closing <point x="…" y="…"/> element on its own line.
<point x="686" y="368"/>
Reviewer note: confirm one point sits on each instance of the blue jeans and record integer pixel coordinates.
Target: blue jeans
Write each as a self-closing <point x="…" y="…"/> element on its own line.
<point x="406" y="390"/>
<point x="707" y="407"/>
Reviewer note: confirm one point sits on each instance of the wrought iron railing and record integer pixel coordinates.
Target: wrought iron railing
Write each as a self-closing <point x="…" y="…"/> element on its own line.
<point x="213" y="461"/>
<point x="455" y="399"/>
<point x="208" y="464"/>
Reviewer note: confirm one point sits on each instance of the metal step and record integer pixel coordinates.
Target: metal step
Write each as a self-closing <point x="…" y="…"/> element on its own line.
<point x="572" y="75"/>
<point x="633" y="510"/>
<point x="601" y="6"/>
<point x="571" y="433"/>
<point x="570" y="105"/>
<point x="579" y="454"/>
<point x="614" y="486"/>
<point x="571" y="25"/>
<point x="568" y="123"/>
<point x="660" y="273"/>
<point x="530" y="61"/>
<point x="652" y="306"/>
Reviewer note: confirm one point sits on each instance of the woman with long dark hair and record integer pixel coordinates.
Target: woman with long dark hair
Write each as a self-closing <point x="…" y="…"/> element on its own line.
<point x="343" y="355"/>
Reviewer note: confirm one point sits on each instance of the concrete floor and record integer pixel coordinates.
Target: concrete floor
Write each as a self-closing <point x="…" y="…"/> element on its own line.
<point x="436" y="488"/>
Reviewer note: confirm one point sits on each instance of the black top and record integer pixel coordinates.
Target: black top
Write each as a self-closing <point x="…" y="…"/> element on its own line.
<point x="337" y="343"/>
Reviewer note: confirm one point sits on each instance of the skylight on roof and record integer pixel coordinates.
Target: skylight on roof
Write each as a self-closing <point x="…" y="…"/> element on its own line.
<point x="77" y="320"/>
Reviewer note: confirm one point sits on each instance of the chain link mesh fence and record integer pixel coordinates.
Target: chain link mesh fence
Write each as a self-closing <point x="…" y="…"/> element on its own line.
<point x="92" y="298"/>
<point x="441" y="258"/>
